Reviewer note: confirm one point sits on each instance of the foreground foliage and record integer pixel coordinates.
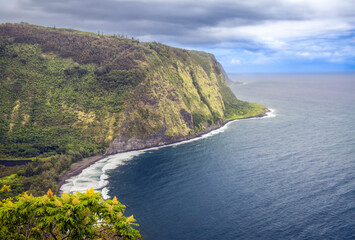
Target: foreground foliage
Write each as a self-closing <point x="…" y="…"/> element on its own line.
<point x="71" y="216"/>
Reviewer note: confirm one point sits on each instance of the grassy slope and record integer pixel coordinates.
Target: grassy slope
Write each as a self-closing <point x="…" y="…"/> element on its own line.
<point x="68" y="92"/>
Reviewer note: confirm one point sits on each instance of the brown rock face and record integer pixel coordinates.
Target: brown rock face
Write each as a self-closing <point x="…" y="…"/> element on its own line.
<point x="124" y="144"/>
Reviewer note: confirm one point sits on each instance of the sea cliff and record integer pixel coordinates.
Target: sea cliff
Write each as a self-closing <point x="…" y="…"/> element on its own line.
<point x="78" y="91"/>
<point x="66" y="95"/>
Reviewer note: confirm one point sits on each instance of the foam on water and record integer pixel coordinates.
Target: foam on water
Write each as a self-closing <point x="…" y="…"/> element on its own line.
<point x="271" y="113"/>
<point x="96" y="175"/>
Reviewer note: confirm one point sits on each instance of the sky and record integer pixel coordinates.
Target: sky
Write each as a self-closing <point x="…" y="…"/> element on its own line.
<point x="246" y="36"/>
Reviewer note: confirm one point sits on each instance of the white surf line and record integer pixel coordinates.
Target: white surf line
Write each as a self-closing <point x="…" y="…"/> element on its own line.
<point x="270" y="114"/>
<point x="96" y="175"/>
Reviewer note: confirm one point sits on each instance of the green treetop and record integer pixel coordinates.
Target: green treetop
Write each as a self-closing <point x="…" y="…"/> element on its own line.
<point x="71" y="216"/>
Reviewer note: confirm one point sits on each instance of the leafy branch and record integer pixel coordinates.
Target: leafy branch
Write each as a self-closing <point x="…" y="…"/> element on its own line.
<point x="71" y="216"/>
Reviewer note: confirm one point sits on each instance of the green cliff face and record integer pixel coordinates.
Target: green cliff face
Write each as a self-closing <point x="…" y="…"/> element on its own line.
<point x="63" y="90"/>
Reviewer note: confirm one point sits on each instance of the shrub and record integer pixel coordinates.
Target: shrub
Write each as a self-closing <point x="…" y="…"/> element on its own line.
<point x="71" y="216"/>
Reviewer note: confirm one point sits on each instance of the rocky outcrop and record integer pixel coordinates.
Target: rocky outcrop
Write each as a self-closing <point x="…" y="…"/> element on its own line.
<point x="124" y="144"/>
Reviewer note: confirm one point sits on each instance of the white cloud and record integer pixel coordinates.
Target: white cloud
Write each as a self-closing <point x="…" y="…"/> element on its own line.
<point x="235" y="61"/>
<point x="276" y="33"/>
<point x="304" y="54"/>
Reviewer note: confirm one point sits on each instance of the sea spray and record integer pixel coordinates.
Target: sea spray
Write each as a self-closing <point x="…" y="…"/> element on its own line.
<point x="95" y="176"/>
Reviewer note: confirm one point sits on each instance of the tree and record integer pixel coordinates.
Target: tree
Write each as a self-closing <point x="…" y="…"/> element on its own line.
<point x="71" y="216"/>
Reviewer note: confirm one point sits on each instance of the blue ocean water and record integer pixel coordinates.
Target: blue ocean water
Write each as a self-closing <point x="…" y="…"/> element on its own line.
<point x="291" y="176"/>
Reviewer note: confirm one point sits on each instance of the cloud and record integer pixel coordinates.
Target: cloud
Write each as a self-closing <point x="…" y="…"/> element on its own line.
<point x="271" y="29"/>
<point x="235" y="61"/>
<point x="273" y="33"/>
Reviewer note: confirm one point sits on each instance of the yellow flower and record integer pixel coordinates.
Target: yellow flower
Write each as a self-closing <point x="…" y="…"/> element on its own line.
<point x="10" y="204"/>
<point x="129" y="219"/>
<point x="109" y="207"/>
<point x="58" y="203"/>
<point x="65" y="197"/>
<point x="86" y="220"/>
<point x="120" y="214"/>
<point x="101" y="200"/>
<point x="114" y="201"/>
<point x="68" y="213"/>
<point x="49" y="193"/>
<point x="25" y="195"/>
<point x="5" y="188"/>
<point x="44" y="198"/>
<point x="76" y="200"/>
<point x="90" y="192"/>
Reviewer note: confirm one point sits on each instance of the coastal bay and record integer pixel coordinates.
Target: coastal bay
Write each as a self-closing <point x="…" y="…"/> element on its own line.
<point x="74" y="171"/>
<point x="283" y="177"/>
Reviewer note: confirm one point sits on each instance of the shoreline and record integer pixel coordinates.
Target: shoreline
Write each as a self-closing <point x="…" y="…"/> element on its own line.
<point x="78" y="167"/>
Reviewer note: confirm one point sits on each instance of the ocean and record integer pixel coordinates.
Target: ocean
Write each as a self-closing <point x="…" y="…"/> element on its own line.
<point x="290" y="175"/>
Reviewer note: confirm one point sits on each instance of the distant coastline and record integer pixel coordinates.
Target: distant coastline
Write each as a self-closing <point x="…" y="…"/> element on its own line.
<point x="231" y="82"/>
<point x="78" y="167"/>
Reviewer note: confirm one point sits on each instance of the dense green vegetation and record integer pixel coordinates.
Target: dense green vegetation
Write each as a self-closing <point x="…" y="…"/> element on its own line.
<point x="66" y="94"/>
<point x="50" y="105"/>
<point x="36" y="177"/>
<point x="71" y="216"/>
<point x="240" y="109"/>
<point x="57" y="104"/>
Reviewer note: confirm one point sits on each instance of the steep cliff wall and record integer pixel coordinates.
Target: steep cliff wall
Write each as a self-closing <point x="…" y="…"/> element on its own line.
<point x="184" y="94"/>
<point x="63" y="90"/>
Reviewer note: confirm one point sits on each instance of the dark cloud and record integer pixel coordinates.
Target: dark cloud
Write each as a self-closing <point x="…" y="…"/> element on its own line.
<point x="259" y="28"/>
<point x="171" y="18"/>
